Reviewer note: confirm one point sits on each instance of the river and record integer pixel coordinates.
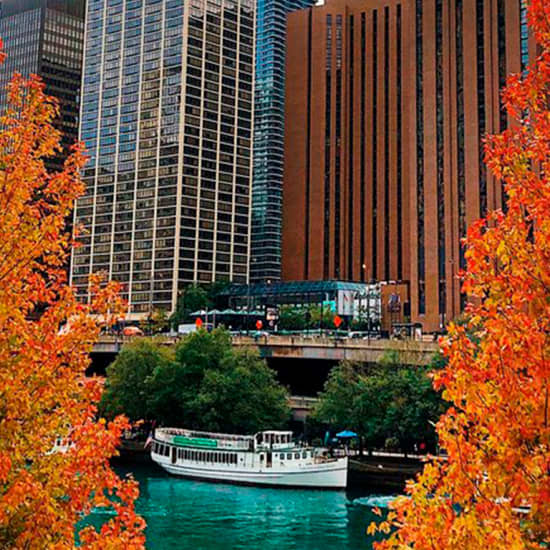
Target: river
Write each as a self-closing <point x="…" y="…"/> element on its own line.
<point x="185" y="514"/>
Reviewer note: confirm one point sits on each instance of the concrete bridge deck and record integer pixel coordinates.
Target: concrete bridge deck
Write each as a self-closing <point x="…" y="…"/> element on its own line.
<point x="411" y="352"/>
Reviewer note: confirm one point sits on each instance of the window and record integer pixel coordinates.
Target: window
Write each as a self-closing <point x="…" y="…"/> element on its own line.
<point x="420" y="160"/>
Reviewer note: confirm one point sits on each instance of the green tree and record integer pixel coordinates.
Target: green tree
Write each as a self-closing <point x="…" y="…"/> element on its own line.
<point x="195" y="297"/>
<point x="127" y="384"/>
<point x="292" y="318"/>
<point x="321" y="317"/>
<point x="381" y="402"/>
<point x="242" y="395"/>
<point x="192" y="298"/>
<point x="210" y="386"/>
<point x="155" y="322"/>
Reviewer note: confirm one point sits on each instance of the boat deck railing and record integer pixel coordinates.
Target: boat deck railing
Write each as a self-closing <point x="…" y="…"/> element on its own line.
<point x="227" y="441"/>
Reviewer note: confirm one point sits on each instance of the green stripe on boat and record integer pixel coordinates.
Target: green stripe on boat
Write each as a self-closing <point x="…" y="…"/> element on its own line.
<point x="194" y="442"/>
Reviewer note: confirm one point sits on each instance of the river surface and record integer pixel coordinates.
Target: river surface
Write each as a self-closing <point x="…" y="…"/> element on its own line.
<point x="185" y="514"/>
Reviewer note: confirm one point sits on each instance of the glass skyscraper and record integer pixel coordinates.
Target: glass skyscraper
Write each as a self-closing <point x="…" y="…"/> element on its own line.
<point x="46" y="37"/>
<point x="167" y="117"/>
<point x="269" y="136"/>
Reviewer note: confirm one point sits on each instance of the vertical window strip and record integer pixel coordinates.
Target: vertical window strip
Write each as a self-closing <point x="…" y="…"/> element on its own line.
<point x="524" y="35"/>
<point x="399" y="151"/>
<point x="386" y="144"/>
<point x="501" y="8"/>
<point x="308" y="146"/>
<point x="481" y="116"/>
<point x="460" y="125"/>
<point x="459" y="7"/>
<point x="338" y="157"/>
<point x="374" y="143"/>
<point x="363" y="130"/>
<point x="420" y="160"/>
<point x="502" y="72"/>
<point x="328" y="114"/>
<point x="440" y="155"/>
<point x="350" y="146"/>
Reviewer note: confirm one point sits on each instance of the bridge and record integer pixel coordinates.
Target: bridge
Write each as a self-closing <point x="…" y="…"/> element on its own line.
<point x="411" y="352"/>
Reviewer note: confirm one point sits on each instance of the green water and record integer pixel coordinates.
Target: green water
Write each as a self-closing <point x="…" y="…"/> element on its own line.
<point x="195" y="515"/>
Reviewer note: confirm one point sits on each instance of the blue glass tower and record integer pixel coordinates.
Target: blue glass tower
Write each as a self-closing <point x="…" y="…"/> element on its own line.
<point x="269" y="136"/>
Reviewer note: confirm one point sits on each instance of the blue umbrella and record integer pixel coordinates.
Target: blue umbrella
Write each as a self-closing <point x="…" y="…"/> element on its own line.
<point x="346" y="434"/>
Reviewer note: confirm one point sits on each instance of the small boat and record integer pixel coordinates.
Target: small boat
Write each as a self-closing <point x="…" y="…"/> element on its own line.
<point x="268" y="458"/>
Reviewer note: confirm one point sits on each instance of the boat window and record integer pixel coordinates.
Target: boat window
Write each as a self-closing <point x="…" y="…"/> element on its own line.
<point x="296" y="455"/>
<point x="289" y="456"/>
<point x="261" y="458"/>
<point x="167" y="451"/>
<point x="304" y="455"/>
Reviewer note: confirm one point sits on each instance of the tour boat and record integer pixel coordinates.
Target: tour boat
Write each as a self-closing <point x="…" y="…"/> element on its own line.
<point x="268" y="458"/>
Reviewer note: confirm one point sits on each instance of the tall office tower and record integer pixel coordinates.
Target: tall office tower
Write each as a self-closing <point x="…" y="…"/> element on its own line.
<point x="46" y="37"/>
<point x="345" y="198"/>
<point x="387" y="105"/>
<point x="269" y="136"/>
<point x="167" y="116"/>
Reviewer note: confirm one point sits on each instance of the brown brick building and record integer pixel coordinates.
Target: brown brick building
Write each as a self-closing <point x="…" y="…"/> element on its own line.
<point x="387" y="103"/>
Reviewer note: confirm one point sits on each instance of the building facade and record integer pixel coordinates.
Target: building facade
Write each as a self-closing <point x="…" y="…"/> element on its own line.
<point x="167" y="117"/>
<point x="388" y="103"/>
<point x="269" y="136"/>
<point x="46" y="37"/>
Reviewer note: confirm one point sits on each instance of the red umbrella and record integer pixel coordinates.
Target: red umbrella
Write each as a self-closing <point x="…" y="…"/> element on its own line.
<point x="132" y="331"/>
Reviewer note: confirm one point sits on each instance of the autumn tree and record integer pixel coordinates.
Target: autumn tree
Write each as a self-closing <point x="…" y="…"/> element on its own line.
<point x="493" y="492"/>
<point x="45" y="341"/>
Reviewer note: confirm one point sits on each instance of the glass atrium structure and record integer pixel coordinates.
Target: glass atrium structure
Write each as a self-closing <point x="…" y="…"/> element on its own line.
<point x="167" y="117"/>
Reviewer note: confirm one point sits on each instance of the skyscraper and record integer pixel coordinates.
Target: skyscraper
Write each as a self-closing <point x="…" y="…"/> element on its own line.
<point x="46" y="37"/>
<point x="386" y="112"/>
<point x="167" y="116"/>
<point x="345" y="201"/>
<point x="269" y="136"/>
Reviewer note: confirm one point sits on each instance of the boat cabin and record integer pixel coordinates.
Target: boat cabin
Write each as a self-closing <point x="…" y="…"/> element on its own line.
<point x="273" y="440"/>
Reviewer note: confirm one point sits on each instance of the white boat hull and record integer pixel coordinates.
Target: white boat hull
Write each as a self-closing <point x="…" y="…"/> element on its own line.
<point x="332" y="475"/>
